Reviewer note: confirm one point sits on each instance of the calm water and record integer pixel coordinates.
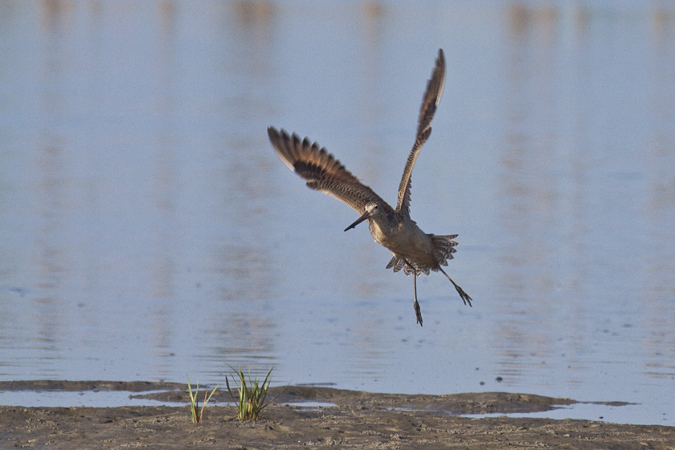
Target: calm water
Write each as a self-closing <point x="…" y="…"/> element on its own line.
<point x="148" y="230"/>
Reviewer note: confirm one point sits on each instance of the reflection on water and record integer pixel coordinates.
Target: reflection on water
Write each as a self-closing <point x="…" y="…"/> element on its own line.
<point x="148" y="229"/>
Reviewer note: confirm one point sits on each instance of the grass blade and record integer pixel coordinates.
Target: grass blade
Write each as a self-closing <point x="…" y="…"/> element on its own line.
<point x="251" y="396"/>
<point x="196" y="414"/>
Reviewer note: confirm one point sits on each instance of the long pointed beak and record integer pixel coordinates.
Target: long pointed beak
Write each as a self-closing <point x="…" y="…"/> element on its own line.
<point x="364" y="216"/>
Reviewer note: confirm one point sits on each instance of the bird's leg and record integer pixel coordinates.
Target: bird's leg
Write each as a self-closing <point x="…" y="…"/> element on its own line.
<point x="418" y="311"/>
<point x="416" y="305"/>
<point x="465" y="297"/>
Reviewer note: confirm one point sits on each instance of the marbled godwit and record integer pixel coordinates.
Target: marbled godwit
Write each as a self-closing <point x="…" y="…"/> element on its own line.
<point x="414" y="250"/>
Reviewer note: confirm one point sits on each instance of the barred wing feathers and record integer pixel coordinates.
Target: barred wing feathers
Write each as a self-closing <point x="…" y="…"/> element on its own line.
<point x="322" y="171"/>
<point x="432" y="96"/>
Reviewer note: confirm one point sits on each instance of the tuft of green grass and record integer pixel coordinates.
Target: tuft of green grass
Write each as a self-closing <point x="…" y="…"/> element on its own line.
<point x="250" y="400"/>
<point x="197" y="414"/>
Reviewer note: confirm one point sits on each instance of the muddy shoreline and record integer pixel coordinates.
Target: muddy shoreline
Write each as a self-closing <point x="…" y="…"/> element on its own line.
<point x="353" y="420"/>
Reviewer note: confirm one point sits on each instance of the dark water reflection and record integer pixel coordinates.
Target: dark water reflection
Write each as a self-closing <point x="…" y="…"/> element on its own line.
<point x="148" y="230"/>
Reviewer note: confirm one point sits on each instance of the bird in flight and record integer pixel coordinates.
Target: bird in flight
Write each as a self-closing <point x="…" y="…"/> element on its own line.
<point x="414" y="251"/>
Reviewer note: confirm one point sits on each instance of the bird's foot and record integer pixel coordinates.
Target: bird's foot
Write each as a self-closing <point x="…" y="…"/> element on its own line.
<point x="418" y="313"/>
<point x="465" y="297"/>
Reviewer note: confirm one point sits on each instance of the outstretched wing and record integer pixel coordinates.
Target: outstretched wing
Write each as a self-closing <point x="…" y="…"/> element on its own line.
<point x="322" y="171"/>
<point x="429" y="103"/>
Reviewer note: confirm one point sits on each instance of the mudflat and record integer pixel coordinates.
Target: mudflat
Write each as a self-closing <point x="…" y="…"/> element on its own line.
<point x="347" y="419"/>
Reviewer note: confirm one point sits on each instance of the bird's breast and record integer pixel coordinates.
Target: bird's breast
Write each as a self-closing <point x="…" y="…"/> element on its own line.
<point x="405" y="240"/>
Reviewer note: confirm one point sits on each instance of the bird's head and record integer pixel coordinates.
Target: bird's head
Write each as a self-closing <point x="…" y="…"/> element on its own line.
<point x="372" y="209"/>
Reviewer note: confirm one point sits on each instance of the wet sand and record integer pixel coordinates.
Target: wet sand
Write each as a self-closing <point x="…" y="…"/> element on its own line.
<point x="356" y="420"/>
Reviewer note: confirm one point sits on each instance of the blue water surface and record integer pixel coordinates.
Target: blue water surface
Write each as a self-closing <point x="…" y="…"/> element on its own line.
<point x="148" y="230"/>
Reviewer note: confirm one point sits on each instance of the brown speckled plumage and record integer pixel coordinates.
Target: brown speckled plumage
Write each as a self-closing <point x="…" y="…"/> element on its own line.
<point x="414" y="251"/>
